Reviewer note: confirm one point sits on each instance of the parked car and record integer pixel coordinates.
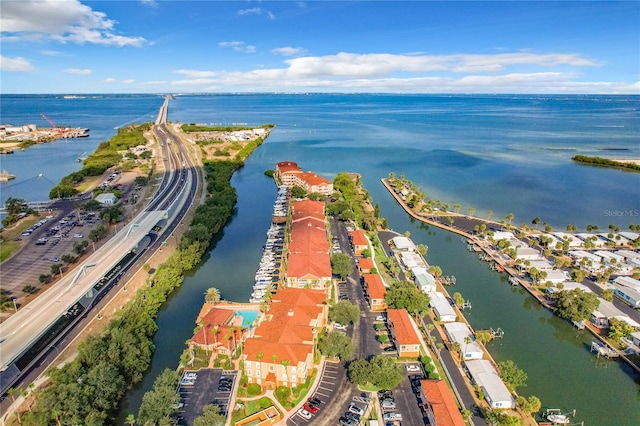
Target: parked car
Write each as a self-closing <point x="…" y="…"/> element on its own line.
<point x="392" y="416"/>
<point x="313" y="409"/>
<point x="413" y="368"/>
<point x="55" y="259"/>
<point x="339" y="326"/>
<point x="388" y="404"/>
<point x="379" y="318"/>
<point x="347" y="422"/>
<point x="305" y="414"/>
<point x="352" y="416"/>
<point x="314" y="401"/>
<point x="353" y="408"/>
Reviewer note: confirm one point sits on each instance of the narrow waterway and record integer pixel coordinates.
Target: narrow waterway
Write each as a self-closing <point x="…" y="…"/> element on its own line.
<point x="229" y="266"/>
<point x="555" y="355"/>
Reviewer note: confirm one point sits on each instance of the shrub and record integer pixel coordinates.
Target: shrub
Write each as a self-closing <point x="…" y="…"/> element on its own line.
<point x="265" y="402"/>
<point x="254" y="389"/>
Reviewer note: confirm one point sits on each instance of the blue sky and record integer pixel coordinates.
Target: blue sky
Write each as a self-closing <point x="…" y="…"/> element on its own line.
<point x="133" y="46"/>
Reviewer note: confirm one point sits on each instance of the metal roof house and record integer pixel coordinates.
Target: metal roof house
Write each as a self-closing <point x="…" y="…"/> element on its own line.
<point x="442" y="308"/>
<point x="484" y="374"/>
<point x="457" y="332"/>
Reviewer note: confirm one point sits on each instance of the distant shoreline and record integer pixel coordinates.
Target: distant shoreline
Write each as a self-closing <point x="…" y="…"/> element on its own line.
<point x="631" y="164"/>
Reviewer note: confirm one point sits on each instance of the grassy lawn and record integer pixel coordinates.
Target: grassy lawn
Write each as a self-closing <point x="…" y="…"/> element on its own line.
<point x="8" y="235"/>
<point x="251" y="407"/>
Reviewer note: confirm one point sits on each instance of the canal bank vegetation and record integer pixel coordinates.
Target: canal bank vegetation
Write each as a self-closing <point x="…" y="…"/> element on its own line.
<point x="108" y="154"/>
<point x="225" y="142"/>
<point x="88" y="389"/>
<point x="607" y="162"/>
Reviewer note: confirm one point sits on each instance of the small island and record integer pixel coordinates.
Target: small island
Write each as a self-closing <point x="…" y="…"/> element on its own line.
<point x="625" y="164"/>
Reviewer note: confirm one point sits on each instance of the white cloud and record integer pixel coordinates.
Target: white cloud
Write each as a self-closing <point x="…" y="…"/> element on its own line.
<point x="150" y="3"/>
<point x="238" y="46"/>
<point x="78" y="71"/>
<point x="460" y="73"/>
<point x="60" y="20"/>
<point x="51" y="53"/>
<point x="129" y="81"/>
<point x="17" y="64"/>
<point x="109" y="80"/>
<point x="288" y="51"/>
<point x="257" y="11"/>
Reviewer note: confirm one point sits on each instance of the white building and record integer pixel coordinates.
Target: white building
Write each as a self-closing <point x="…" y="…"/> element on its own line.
<point x="457" y="332"/>
<point x="568" y="286"/>
<point x="442" y="308"/>
<point x="106" y="198"/>
<point x="574" y="242"/>
<point x="556" y="276"/>
<point x="403" y="243"/>
<point x="484" y="374"/>
<point x="411" y="259"/>
<point x="424" y="280"/>
<point x="628" y="290"/>
<point x="597" y="241"/>
<point x="528" y="253"/>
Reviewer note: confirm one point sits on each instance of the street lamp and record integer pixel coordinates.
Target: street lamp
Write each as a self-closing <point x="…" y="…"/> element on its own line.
<point x="15" y="305"/>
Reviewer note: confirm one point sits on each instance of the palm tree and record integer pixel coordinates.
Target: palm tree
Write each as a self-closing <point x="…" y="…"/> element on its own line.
<point x="131" y="419"/>
<point x="471" y="211"/>
<point x="489" y="213"/>
<point x="467" y="340"/>
<point x="212" y="295"/>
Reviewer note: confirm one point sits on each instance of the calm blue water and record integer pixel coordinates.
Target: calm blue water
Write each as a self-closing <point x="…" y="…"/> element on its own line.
<point x="248" y="317"/>
<point x="499" y="153"/>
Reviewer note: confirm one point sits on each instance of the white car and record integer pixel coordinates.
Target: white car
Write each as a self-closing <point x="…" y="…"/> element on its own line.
<point x="304" y="413"/>
<point x="392" y="416"/>
<point x="353" y="408"/>
<point x="77" y="235"/>
<point x="413" y="368"/>
<point x="339" y="326"/>
<point x="379" y="318"/>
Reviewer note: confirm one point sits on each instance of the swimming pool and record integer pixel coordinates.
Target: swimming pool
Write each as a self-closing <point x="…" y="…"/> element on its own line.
<point x="248" y="317"/>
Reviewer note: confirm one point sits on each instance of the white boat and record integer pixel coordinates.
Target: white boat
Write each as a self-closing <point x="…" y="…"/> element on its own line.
<point x="559" y="419"/>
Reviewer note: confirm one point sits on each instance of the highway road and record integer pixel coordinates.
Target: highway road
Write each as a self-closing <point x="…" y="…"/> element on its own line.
<point x="174" y="196"/>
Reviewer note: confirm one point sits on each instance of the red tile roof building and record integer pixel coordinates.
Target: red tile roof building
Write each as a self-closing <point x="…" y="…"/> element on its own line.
<point x="308" y="262"/>
<point x="359" y="241"/>
<point x="375" y="292"/>
<point x="365" y="265"/>
<point x="439" y="404"/>
<point x="403" y="333"/>
<point x="280" y="352"/>
<point x="291" y="175"/>
<point x="217" y="332"/>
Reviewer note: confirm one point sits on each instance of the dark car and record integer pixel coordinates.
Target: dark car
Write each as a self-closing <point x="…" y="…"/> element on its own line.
<point x="314" y="401"/>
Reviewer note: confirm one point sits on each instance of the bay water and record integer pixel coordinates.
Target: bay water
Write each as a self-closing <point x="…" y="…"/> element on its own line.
<point x="507" y="154"/>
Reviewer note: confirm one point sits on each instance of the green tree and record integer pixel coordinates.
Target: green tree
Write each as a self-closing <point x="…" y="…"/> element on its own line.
<point x="619" y="329"/>
<point x="298" y="192"/>
<point x="131" y="419"/>
<point x="341" y="265"/>
<point x="512" y="376"/>
<point x="336" y="343"/>
<point x="405" y="295"/>
<point x="160" y="402"/>
<point x="576" y="305"/>
<point x="435" y="270"/>
<point x="607" y="294"/>
<point x="381" y="371"/>
<point x="210" y="416"/>
<point x="529" y="405"/>
<point x="344" y="312"/>
<point x="458" y="299"/>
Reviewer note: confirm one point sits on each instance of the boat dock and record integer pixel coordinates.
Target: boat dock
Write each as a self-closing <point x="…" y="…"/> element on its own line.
<point x="601" y="349"/>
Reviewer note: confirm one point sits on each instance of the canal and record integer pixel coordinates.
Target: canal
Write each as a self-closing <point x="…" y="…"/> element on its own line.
<point x="555" y="355"/>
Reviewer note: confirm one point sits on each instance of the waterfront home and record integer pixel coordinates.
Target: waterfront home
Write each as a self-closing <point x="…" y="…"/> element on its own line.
<point x="439" y="403"/>
<point x="585" y="259"/>
<point x="280" y="352"/>
<point x="459" y="332"/>
<point x="614" y="239"/>
<point x="485" y="375"/>
<point x="411" y="259"/>
<point x="106" y="198"/>
<point x="403" y="333"/>
<point x="442" y="308"/>
<point x="309" y="263"/>
<point x="291" y="175"/>
<point x="604" y="311"/>
<point x="359" y="242"/>
<point x="218" y="332"/>
<point x="628" y="290"/>
<point x="556" y="276"/>
<point x="631" y="257"/>
<point x="403" y="243"/>
<point x="423" y="279"/>
<point x="567" y="286"/>
<point x="375" y="292"/>
<point x="528" y="253"/>
<point x="574" y="242"/>
<point x="593" y="238"/>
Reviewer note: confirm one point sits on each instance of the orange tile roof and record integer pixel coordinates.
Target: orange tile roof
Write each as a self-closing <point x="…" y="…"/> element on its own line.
<point x="215" y="316"/>
<point x="440" y="397"/>
<point x="366" y="263"/>
<point x="294" y="353"/>
<point x="220" y="335"/>
<point x="314" y="180"/>
<point x="287" y="166"/>
<point x="308" y="208"/>
<point x="358" y="238"/>
<point x="375" y="286"/>
<point x="299" y="297"/>
<point x="403" y="328"/>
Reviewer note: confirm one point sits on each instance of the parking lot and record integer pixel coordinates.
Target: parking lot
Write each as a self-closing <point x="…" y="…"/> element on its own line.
<point x="203" y="387"/>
